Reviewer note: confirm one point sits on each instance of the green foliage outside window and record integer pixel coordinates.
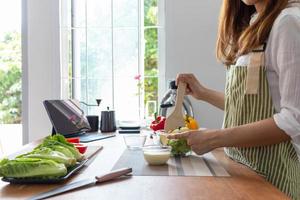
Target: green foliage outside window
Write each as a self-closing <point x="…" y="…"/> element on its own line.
<point x="10" y="78"/>
<point x="151" y="53"/>
<point x="10" y="68"/>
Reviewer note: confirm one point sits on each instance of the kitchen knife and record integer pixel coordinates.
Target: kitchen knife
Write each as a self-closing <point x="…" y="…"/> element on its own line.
<point x="68" y="187"/>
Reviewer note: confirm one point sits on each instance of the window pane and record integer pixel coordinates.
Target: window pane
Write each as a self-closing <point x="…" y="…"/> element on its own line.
<point x="151" y="52"/>
<point x="99" y="89"/>
<point x="10" y="62"/>
<point x="74" y="60"/>
<point x="99" y="13"/>
<point x="126" y="99"/>
<point x="79" y="56"/>
<point x="151" y="95"/>
<point x="99" y="53"/>
<point x="106" y="59"/>
<point x="126" y="13"/>
<point x="126" y="52"/>
<point x="150" y="13"/>
<point x="125" y="69"/>
<point x="80" y="89"/>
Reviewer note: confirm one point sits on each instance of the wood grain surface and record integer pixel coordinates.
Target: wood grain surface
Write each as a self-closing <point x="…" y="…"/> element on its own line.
<point x="243" y="183"/>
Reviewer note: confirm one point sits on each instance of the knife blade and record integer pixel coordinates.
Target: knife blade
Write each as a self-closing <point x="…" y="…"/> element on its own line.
<point x="86" y="182"/>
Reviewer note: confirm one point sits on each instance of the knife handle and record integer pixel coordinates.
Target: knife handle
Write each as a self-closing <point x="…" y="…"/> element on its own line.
<point x="113" y="174"/>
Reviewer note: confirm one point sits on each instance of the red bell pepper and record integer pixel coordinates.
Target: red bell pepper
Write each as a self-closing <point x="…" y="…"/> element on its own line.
<point x="81" y="147"/>
<point x="158" y="123"/>
<point x="73" y="140"/>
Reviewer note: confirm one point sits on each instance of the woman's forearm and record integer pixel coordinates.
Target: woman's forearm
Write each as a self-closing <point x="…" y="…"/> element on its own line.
<point x="215" y="98"/>
<point x="261" y="133"/>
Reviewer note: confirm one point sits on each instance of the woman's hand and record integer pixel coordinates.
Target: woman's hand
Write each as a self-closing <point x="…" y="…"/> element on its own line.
<point x="201" y="141"/>
<point x="260" y="133"/>
<point x="194" y="87"/>
<point x="198" y="91"/>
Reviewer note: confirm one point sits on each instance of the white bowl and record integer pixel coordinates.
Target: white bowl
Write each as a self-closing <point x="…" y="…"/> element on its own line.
<point x="156" y="155"/>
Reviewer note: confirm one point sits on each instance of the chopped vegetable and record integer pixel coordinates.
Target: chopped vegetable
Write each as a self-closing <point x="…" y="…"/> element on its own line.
<point x="73" y="140"/>
<point x="158" y="123"/>
<point x="191" y="123"/>
<point x="31" y="167"/>
<point x="49" y="154"/>
<point x="59" y="140"/>
<point x="179" y="147"/>
<point x="81" y="147"/>
<point x="61" y="149"/>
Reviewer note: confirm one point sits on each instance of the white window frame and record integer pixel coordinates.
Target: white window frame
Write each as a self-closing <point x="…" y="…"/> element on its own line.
<point x="141" y="29"/>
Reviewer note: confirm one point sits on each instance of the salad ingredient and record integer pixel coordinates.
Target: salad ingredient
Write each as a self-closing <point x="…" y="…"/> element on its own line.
<point x="179" y="147"/>
<point x="62" y="150"/>
<point x="191" y="123"/>
<point x="31" y="167"/>
<point x="59" y="140"/>
<point x="73" y="140"/>
<point x="81" y="147"/>
<point x="49" y="154"/>
<point x="158" y="123"/>
<point x="50" y="159"/>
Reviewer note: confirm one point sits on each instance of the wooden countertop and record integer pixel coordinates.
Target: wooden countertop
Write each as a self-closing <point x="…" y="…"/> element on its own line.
<point x="243" y="183"/>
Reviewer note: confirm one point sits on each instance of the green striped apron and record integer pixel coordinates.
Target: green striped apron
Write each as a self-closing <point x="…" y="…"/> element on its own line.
<point x="247" y="100"/>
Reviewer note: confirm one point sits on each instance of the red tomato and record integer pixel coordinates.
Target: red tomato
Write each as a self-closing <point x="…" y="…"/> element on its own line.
<point x="81" y="147"/>
<point x="73" y="140"/>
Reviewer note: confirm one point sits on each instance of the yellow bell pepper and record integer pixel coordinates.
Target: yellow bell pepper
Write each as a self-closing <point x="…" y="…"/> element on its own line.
<point x="191" y="123"/>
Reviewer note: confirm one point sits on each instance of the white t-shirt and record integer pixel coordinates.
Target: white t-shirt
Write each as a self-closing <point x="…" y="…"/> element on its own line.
<point x="283" y="71"/>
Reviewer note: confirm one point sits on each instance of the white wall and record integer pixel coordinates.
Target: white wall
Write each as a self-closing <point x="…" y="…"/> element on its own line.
<point x="41" y="66"/>
<point x="191" y="29"/>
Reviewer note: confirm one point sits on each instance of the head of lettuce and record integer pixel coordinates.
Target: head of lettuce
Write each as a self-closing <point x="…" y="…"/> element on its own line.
<point x="50" y="159"/>
<point x="31" y="167"/>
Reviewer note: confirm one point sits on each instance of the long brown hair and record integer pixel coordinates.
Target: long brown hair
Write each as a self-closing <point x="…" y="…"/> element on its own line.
<point x="236" y="37"/>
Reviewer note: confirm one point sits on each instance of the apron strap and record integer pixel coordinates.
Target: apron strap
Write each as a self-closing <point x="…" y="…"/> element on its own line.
<point x="257" y="60"/>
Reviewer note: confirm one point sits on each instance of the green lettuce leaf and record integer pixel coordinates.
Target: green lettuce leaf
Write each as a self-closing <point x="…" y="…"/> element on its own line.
<point x="179" y="147"/>
<point x="50" y="154"/>
<point x="59" y="140"/>
<point x="31" y="167"/>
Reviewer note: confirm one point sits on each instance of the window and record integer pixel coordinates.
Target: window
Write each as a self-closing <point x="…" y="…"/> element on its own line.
<point x="10" y="76"/>
<point x="110" y="51"/>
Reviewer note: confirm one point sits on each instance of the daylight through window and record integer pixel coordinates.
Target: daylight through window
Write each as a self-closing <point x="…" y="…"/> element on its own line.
<point x="110" y="51"/>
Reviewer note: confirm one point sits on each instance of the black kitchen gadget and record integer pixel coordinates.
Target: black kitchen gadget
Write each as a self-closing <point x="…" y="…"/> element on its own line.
<point x="94" y="122"/>
<point x="69" y="120"/>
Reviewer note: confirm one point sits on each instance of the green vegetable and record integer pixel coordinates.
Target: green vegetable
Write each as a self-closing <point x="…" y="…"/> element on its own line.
<point x="48" y="160"/>
<point x="56" y="147"/>
<point x="31" y="167"/>
<point x="49" y="154"/>
<point x="179" y="147"/>
<point x="59" y="140"/>
<point x="62" y="150"/>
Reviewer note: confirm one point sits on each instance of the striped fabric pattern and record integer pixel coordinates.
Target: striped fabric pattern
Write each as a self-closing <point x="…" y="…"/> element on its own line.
<point x="277" y="163"/>
<point x="192" y="165"/>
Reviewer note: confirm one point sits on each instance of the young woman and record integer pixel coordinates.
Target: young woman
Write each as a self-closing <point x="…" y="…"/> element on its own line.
<point x="259" y="42"/>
